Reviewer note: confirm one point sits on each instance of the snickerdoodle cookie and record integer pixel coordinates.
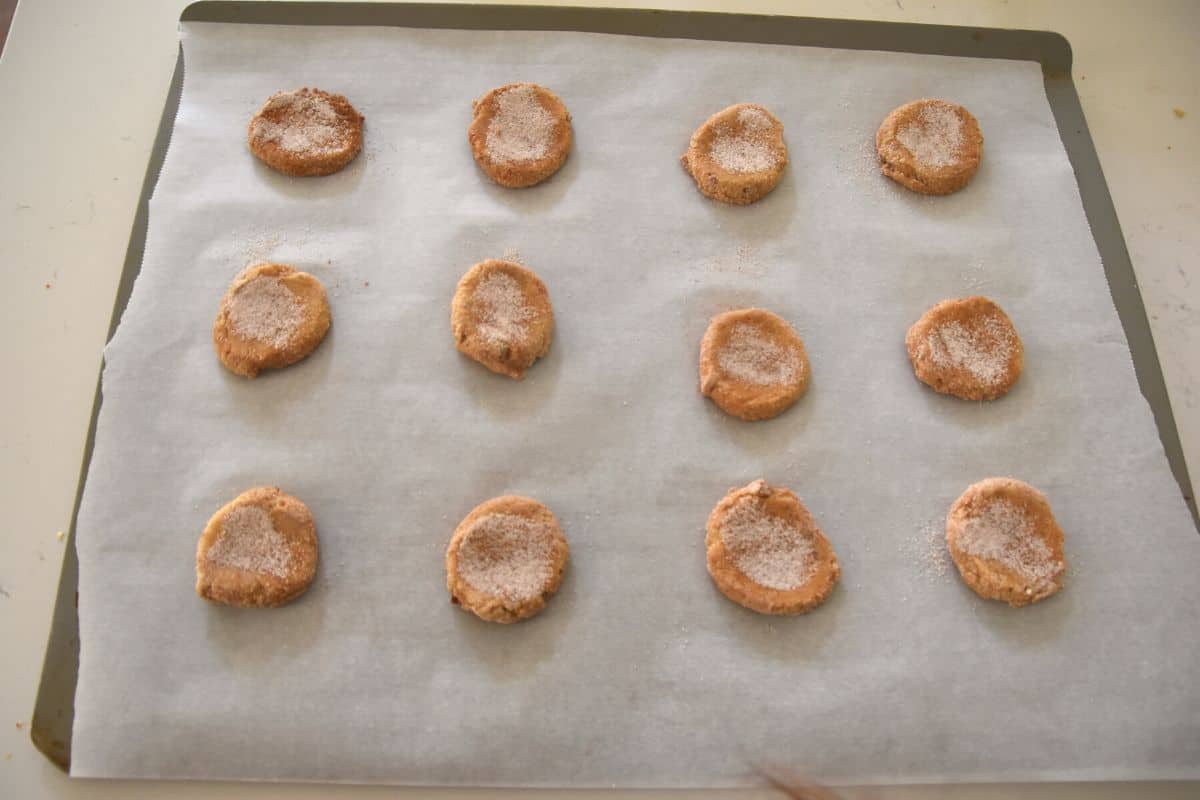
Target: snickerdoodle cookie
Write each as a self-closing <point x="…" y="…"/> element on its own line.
<point x="765" y="551"/>
<point x="271" y="316"/>
<point x="752" y="364"/>
<point x="966" y="347"/>
<point x="520" y="135"/>
<point x="930" y="146"/>
<point x="306" y="132"/>
<point x="258" y="550"/>
<point x="737" y="156"/>
<point x="506" y="559"/>
<point x="501" y="317"/>
<point x="1005" y="542"/>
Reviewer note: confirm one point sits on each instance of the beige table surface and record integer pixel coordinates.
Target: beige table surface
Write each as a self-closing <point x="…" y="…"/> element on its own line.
<point x="82" y="84"/>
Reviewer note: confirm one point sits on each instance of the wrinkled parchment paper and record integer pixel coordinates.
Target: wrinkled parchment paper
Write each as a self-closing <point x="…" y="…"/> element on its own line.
<point x="639" y="673"/>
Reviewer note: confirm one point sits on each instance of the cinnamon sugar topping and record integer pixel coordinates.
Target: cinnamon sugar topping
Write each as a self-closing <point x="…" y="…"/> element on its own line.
<point x="748" y="149"/>
<point x="249" y="541"/>
<point x="983" y="349"/>
<point x="770" y="550"/>
<point x="521" y="129"/>
<point x="1004" y="533"/>
<point x="502" y="308"/>
<point x="935" y="137"/>
<point x="303" y="122"/>
<point x="265" y="310"/>
<point x="752" y="356"/>
<point x="507" y="556"/>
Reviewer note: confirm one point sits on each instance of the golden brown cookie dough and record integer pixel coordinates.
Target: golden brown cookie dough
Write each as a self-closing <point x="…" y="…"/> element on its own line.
<point x="501" y="317"/>
<point x="967" y="348"/>
<point x="506" y="559"/>
<point x="930" y="146"/>
<point x="752" y="364"/>
<point x="520" y="135"/>
<point x="306" y="132"/>
<point x="737" y="156"/>
<point x="1005" y="542"/>
<point x="258" y="550"/>
<point x="765" y="551"/>
<point x="270" y="317"/>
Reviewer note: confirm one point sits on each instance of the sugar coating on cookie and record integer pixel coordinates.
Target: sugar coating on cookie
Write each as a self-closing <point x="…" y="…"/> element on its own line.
<point x="753" y="364"/>
<point x="306" y="132"/>
<point x="271" y="316"/>
<point x="258" y="550"/>
<point x="765" y="551"/>
<point x="738" y="155"/>
<point x="966" y="347"/>
<point x="930" y="146"/>
<point x="1004" y="540"/>
<point x="520" y="135"/>
<point x="501" y="317"/>
<point x="505" y="559"/>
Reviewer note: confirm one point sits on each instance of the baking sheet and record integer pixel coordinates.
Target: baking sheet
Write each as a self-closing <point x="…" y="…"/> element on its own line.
<point x="639" y="673"/>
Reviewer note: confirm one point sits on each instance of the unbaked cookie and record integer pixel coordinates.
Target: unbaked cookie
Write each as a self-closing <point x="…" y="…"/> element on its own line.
<point x="930" y="146"/>
<point x="270" y="317"/>
<point x="1005" y="542"/>
<point x="520" y="135"/>
<point x="737" y="156"/>
<point x="258" y="550"/>
<point x="765" y="551"/>
<point x="967" y="348"/>
<point x="501" y="317"/>
<point x="752" y="364"/>
<point x="306" y="132"/>
<point x="505" y="559"/>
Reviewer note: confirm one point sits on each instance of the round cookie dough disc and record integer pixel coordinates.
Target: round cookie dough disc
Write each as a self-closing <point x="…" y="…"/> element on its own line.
<point x="967" y="348"/>
<point x="765" y="551"/>
<point x="258" y="550"/>
<point x="501" y="317"/>
<point x="1005" y="542"/>
<point x="271" y="316"/>
<point x="520" y="135"/>
<point x="506" y="559"/>
<point x="737" y="156"/>
<point x="752" y="364"/>
<point x="306" y="132"/>
<point x="930" y="146"/>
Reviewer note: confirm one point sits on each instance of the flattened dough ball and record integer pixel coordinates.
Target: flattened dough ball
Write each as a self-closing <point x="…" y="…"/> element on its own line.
<point x="1005" y="542"/>
<point x="271" y="316"/>
<point x="737" y="156"/>
<point x="501" y="317"/>
<point x="506" y="559"/>
<point x="258" y="550"/>
<point x="765" y="551"/>
<point x="752" y="364"/>
<point x="967" y="348"/>
<point x="306" y="132"/>
<point x="930" y="146"/>
<point x="520" y="135"/>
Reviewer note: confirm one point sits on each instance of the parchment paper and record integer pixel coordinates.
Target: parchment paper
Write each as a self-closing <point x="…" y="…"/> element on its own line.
<point x="639" y="673"/>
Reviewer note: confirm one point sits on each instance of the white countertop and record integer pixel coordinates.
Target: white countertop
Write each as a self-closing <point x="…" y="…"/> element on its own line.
<point x="82" y="86"/>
